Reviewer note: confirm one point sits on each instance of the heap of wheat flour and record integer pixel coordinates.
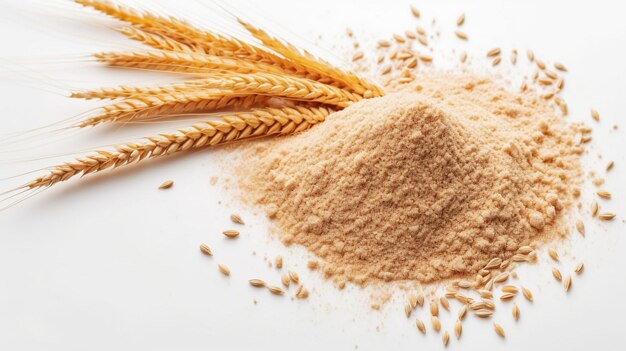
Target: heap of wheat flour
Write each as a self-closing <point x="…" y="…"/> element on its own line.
<point x="420" y="186"/>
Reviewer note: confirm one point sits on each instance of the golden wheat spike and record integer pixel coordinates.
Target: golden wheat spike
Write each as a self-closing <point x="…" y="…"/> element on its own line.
<point x="357" y="84"/>
<point x="143" y="106"/>
<point x="237" y="126"/>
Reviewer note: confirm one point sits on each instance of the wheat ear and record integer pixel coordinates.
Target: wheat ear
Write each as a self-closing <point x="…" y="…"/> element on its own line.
<point x="357" y="84"/>
<point x="156" y="41"/>
<point x="237" y="126"/>
<point x="144" y="106"/>
<point x="305" y="66"/>
<point x="187" y="62"/>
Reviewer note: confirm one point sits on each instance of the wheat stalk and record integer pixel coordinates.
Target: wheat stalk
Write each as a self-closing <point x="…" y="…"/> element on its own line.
<point x="238" y="126"/>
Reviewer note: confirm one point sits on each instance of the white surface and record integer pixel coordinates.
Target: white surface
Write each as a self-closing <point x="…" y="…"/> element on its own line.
<point x="109" y="262"/>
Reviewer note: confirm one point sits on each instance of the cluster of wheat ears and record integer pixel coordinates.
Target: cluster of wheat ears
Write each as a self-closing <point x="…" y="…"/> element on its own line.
<point x="258" y="89"/>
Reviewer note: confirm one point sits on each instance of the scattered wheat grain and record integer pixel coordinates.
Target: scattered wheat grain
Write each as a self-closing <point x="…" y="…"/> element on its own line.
<point x="560" y="67"/>
<point x="579" y="268"/>
<point x="607" y="216"/>
<point x="580" y="227"/>
<point x="595" y="115"/>
<point x="436" y="323"/>
<point x="166" y="184"/>
<point x="460" y="20"/>
<point x="223" y="269"/>
<point x="527" y="294"/>
<point x="556" y="274"/>
<point x="445" y="338"/>
<point x="461" y="35"/>
<point x="462" y="312"/>
<point x="493" y="52"/>
<point x="567" y="283"/>
<point x="515" y="311"/>
<point x="415" y="12"/>
<point x="420" y="325"/>
<point x="279" y="262"/>
<point x="294" y="277"/>
<point x="276" y="290"/>
<point x="499" y="330"/>
<point x="231" y="234"/>
<point x="235" y="218"/>
<point x="205" y="249"/>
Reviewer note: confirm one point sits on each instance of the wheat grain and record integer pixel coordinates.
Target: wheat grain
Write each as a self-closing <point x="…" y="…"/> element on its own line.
<point x="493" y="52"/>
<point x="359" y="55"/>
<point x="302" y="292"/>
<point x="205" y="249"/>
<point x="462" y="312"/>
<point x="445" y="338"/>
<point x="579" y="268"/>
<point x="567" y="282"/>
<point x="594" y="208"/>
<point x="294" y="277"/>
<point x="553" y="254"/>
<point x="530" y="55"/>
<point x="279" y="262"/>
<point x="515" y="312"/>
<point x="257" y="283"/>
<point x="235" y="218"/>
<point x="166" y="184"/>
<point x="501" y="278"/>
<point x="426" y="58"/>
<point x="434" y="308"/>
<point x="231" y="234"/>
<point x="595" y="115"/>
<point x="485" y="293"/>
<point x="609" y="165"/>
<point x="556" y="274"/>
<point x="407" y="310"/>
<point x="607" y="216"/>
<point x="580" y="227"/>
<point x="285" y="279"/>
<point x="458" y="329"/>
<point x="276" y="290"/>
<point x="483" y="313"/>
<point x="415" y="12"/>
<point x="560" y="67"/>
<point x="499" y="330"/>
<point x="223" y="269"/>
<point x="420" y="326"/>
<point x="510" y="289"/>
<point x="540" y="64"/>
<point x="434" y="320"/>
<point x="461" y="35"/>
<point x="444" y="303"/>
<point x="494" y="263"/>
<point x="507" y="296"/>
<point x="527" y="294"/>
<point x="460" y="20"/>
<point x="604" y="194"/>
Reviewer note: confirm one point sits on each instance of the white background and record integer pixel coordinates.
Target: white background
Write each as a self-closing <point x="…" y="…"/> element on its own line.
<point x="108" y="262"/>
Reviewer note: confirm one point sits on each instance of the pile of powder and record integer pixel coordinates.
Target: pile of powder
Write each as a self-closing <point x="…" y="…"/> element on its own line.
<point x="420" y="186"/>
